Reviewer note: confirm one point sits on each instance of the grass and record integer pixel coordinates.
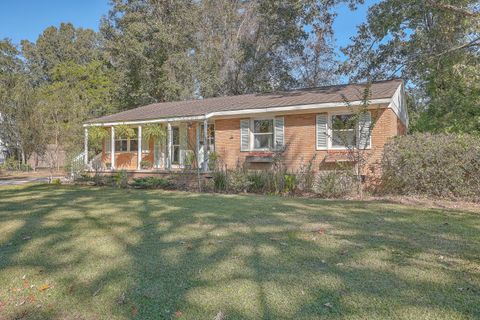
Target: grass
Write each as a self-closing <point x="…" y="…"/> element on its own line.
<point x="71" y="252"/>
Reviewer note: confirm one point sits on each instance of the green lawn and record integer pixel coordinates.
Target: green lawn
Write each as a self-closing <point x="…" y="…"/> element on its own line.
<point x="71" y="252"/>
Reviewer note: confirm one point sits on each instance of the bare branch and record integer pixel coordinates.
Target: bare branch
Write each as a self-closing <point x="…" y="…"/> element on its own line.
<point x="473" y="43"/>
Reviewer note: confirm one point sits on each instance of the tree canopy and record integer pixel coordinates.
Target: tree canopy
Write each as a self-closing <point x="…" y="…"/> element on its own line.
<point x="151" y="51"/>
<point x="435" y="46"/>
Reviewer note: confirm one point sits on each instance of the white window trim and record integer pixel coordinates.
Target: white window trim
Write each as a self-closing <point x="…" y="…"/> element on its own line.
<point x="128" y="145"/>
<point x="179" y="145"/>
<point x="330" y="132"/>
<point x="252" y="133"/>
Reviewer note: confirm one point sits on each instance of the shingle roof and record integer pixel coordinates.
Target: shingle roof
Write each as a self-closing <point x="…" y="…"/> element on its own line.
<point x="336" y="93"/>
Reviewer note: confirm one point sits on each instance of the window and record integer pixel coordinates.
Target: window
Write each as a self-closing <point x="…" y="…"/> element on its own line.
<point x="210" y="136"/>
<point x="175" y="145"/>
<point x="145" y="145"/>
<point x="124" y="144"/>
<point x="343" y="131"/>
<point x="121" y="144"/>
<point x="263" y="134"/>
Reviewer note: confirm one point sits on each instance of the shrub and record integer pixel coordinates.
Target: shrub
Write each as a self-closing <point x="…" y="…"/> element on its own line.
<point x="12" y="164"/>
<point x="306" y="175"/>
<point x="152" y="183"/>
<point x="445" y="165"/>
<point x="220" y="181"/>
<point x="334" y="183"/>
<point x="258" y="181"/>
<point x="213" y="160"/>
<point x="238" y="181"/>
<point x="190" y="158"/>
<point x="120" y="179"/>
<point x="56" y="181"/>
<point x="290" y="183"/>
<point x="145" y="164"/>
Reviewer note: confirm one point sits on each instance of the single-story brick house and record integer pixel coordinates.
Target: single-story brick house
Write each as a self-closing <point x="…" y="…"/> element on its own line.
<point x="250" y="128"/>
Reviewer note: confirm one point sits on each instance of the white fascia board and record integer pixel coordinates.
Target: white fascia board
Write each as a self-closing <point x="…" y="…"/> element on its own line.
<point x="134" y="122"/>
<point x="246" y="112"/>
<point x="295" y="108"/>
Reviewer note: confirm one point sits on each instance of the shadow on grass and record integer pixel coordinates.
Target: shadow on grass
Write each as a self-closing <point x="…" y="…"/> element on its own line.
<point x="110" y="253"/>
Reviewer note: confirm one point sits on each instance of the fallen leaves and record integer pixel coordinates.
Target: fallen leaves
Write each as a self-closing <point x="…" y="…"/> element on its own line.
<point x="134" y="311"/>
<point x="328" y="305"/>
<point x="43" y="287"/>
<point x="178" y="314"/>
<point x="220" y="316"/>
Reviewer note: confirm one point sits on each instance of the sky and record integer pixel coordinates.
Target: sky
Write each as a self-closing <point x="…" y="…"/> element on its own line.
<point x="26" y="19"/>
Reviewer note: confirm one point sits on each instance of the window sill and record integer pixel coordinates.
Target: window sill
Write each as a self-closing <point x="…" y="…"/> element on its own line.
<point x="340" y="149"/>
<point x="259" y="159"/>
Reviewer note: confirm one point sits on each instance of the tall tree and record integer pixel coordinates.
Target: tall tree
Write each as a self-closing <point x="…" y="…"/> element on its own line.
<point x="59" y="45"/>
<point x="76" y="93"/>
<point x="147" y="41"/>
<point x="433" y="44"/>
<point x="168" y="50"/>
<point x="51" y="86"/>
<point x="21" y="125"/>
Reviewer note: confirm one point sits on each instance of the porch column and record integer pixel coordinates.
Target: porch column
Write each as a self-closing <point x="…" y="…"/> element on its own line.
<point x="169" y="146"/>
<point x="85" y="145"/>
<point x="139" y="143"/>
<point x="112" y="152"/>
<point x="205" y="145"/>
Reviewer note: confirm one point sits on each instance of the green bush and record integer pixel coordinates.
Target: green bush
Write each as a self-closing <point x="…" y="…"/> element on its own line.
<point x="290" y="183"/>
<point x="56" y="181"/>
<point x="12" y="164"/>
<point x="152" y="183"/>
<point x="443" y="165"/>
<point x="213" y="160"/>
<point x="120" y="179"/>
<point x="220" y="181"/>
<point x="145" y="164"/>
<point x="258" y="181"/>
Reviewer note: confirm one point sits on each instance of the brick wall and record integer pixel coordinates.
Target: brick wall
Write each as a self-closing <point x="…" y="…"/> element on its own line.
<point x="300" y="140"/>
<point x="127" y="160"/>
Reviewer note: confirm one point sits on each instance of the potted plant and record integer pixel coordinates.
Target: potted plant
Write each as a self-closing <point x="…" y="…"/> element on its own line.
<point x="145" y="164"/>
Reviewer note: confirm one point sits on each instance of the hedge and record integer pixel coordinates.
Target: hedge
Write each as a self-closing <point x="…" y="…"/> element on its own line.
<point x="440" y="165"/>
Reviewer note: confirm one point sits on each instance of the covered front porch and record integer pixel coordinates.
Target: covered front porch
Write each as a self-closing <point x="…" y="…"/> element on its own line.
<point x="149" y="146"/>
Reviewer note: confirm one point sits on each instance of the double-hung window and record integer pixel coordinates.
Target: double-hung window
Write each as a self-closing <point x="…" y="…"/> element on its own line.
<point x="124" y="144"/>
<point x="262" y="132"/>
<point x="344" y="131"/>
<point x="175" y="145"/>
<point x="121" y="144"/>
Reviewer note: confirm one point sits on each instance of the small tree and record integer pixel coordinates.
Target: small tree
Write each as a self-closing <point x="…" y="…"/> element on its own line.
<point x="362" y="118"/>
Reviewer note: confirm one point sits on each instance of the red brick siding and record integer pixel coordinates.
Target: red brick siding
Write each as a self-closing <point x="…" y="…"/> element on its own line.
<point x="300" y="140"/>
